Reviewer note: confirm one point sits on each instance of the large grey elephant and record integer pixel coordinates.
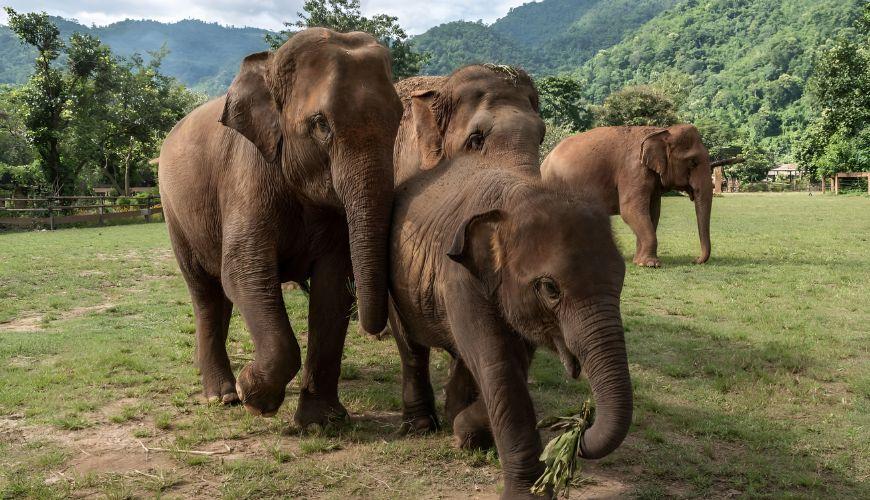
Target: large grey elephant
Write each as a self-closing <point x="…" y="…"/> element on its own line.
<point x="287" y="177"/>
<point x="484" y="266"/>
<point x="628" y="168"/>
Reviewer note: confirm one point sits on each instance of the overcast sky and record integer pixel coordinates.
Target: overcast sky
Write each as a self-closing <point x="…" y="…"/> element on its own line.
<point x="414" y="15"/>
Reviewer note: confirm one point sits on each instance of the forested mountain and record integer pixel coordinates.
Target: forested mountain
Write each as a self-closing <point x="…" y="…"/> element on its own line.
<point x="744" y="63"/>
<point x="202" y="55"/>
<point x="544" y="37"/>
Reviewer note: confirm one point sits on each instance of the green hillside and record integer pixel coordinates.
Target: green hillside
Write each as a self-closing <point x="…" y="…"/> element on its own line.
<point x="202" y="55"/>
<point x="736" y="61"/>
<point x="456" y="44"/>
<point x="544" y="37"/>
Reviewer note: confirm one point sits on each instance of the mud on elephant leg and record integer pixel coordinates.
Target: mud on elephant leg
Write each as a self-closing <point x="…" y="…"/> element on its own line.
<point x="418" y="398"/>
<point x="213" y="311"/>
<point x="329" y="309"/>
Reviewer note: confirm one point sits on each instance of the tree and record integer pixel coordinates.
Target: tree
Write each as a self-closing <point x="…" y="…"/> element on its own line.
<point x="44" y="95"/>
<point x="562" y="103"/>
<point x="638" y="105"/>
<point x="840" y="138"/>
<point x="15" y="148"/>
<point x="345" y="16"/>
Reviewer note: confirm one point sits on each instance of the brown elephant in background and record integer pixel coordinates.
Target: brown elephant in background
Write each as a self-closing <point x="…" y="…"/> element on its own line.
<point x="628" y="168"/>
<point x="485" y="266"/>
<point x="484" y="109"/>
<point x="287" y="177"/>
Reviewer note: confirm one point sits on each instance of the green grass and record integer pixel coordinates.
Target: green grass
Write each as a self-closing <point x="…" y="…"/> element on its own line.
<point x="750" y="373"/>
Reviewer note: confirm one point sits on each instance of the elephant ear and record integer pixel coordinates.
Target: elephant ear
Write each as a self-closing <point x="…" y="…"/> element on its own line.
<point x="476" y="247"/>
<point x="655" y="152"/>
<point x="429" y="138"/>
<point x="251" y="109"/>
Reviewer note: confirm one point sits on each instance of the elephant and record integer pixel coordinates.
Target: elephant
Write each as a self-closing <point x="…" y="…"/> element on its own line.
<point x="484" y="266"/>
<point x="487" y="109"/>
<point x="287" y="177"/>
<point x="628" y="168"/>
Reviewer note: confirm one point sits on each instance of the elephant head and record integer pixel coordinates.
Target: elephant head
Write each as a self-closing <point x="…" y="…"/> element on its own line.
<point x="680" y="160"/>
<point x="527" y="257"/>
<point x="484" y="109"/>
<point x="323" y="109"/>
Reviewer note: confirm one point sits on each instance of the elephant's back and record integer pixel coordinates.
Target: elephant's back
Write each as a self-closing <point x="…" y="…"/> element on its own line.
<point x="191" y="168"/>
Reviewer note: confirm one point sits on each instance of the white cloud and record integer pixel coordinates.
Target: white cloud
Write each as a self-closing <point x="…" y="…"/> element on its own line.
<point x="415" y="16"/>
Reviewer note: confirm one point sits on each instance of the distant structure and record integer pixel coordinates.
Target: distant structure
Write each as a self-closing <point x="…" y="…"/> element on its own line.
<point x="787" y="170"/>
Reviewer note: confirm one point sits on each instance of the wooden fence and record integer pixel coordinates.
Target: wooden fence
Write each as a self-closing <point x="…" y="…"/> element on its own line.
<point x="835" y="180"/>
<point x="53" y="211"/>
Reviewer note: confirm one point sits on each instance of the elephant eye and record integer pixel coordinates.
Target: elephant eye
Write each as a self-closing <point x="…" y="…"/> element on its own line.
<point x="548" y="290"/>
<point x="320" y="129"/>
<point x="475" y="141"/>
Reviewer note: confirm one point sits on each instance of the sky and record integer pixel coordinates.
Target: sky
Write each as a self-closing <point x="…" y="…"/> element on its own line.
<point x="416" y="16"/>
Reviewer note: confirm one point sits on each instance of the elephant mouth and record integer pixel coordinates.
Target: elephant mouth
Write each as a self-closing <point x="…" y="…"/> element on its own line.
<point x="568" y="359"/>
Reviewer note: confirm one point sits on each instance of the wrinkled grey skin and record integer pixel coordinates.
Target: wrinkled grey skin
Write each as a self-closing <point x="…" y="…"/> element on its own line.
<point x="628" y="168"/>
<point x="286" y="178"/>
<point x="484" y="266"/>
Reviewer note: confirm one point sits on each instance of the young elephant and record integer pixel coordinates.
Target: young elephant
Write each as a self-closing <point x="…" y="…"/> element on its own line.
<point x="628" y="168"/>
<point x="287" y="177"/>
<point x="484" y="266"/>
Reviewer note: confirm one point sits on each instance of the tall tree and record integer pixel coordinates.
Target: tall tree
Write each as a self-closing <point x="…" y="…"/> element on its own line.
<point x="44" y="94"/>
<point x="344" y="16"/>
<point x="562" y="102"/>
<point x="839" y="139"/>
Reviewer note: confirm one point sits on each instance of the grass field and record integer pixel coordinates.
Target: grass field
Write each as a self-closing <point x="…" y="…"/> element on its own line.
<point x="751" y="374"/>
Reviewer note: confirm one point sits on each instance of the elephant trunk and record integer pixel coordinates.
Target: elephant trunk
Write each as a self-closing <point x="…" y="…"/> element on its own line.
<point x="702" y="185"/>
<point x="368" y="199"/>
<point x="600" y="346"/>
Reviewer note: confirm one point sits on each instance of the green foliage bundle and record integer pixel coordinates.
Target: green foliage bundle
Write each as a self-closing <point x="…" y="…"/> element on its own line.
<point x="561" y="453"/>
<point x="345" y="16"/>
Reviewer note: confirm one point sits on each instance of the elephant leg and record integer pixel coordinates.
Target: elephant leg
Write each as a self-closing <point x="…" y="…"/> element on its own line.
<point x="250" y="279"/>
<point x="636" y="213"/>
<point x="329" y="309"/>
<point x="655" y="210"/>
<point x="461" y="390"/>
<point x="213" y="311"/>
<point x="418" y="397"/>
<point x="466" y="410"/>
<point x="495" y="356"/>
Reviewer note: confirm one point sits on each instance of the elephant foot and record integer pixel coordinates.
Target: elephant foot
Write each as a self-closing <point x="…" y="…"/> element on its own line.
<point x="316" y="413"/>
<point x="260" y="396"/>
<point x="471" y="428"/>
<point x="220" y="388"/>
<point x="648" y="261"/>
<point x="419" y="425"/>
<point x="700" y="260"/>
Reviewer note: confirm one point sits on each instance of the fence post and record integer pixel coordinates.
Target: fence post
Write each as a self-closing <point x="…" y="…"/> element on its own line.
<point x="836" y="180"/>
<point x="148" y="208"/>
<point x="102" y="202"/>
<point x="717" y="180"/>
<point x="50" y="214"/>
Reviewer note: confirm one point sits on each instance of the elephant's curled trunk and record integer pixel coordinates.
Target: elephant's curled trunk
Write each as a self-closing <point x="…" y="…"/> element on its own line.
<point x="600" y="346"/>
